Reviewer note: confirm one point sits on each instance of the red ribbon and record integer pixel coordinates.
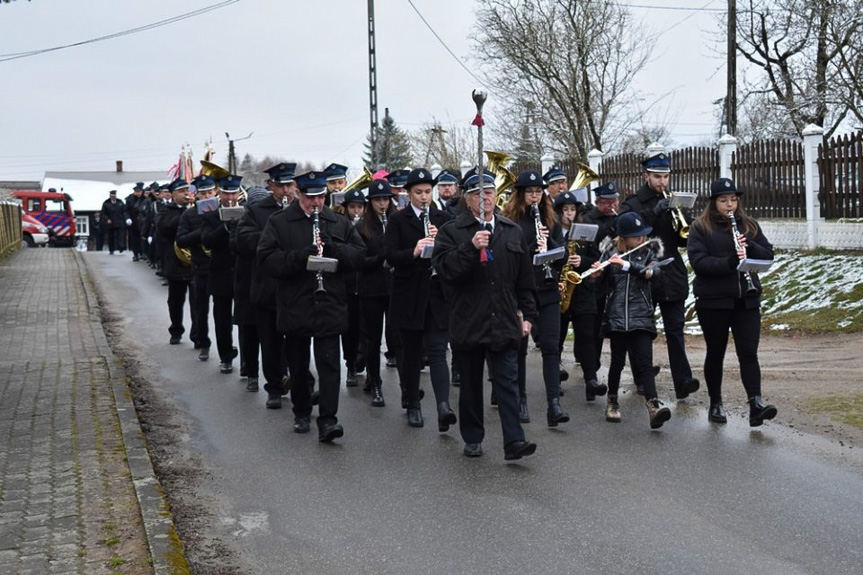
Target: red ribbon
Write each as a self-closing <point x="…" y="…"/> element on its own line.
<point x="477" y="121"/>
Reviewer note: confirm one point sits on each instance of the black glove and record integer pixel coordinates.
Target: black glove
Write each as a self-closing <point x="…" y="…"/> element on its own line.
<point x="660" y="207"/>
<point x="304" y="253"/>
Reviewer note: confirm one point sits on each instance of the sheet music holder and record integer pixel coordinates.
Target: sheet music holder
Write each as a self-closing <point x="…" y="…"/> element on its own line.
<point x="682" y="200"/>
<point x="337" y="199"/>
<point x="427" y="252"/>
<point x="751" y="265"/>
<point x="322" y="264"/>
<point x="549" y="256"/>
<point x="403" y="201"/>
<point x="583" y="232"/>
<point x="582" y="195"/>
<point x="207" y="205"/>
<point x="230" y="214"/>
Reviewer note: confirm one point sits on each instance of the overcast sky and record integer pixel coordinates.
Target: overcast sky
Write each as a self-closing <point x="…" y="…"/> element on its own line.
<point x="294" y="72"/>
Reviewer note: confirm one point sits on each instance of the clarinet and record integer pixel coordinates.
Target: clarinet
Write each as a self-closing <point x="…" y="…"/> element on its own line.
<point x="316" y="234"/>
<point x="549" y="274"/>
<point x="750" y="286"/>
<point x="426" y="223"/>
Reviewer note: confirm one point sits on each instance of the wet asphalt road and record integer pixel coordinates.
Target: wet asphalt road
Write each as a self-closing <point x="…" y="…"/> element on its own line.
<point x="596" y="498"/>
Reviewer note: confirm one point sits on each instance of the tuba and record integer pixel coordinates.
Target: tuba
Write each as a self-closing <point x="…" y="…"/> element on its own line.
<point x="217" y="172"/>
<point x="503" y="176"/>
<point x="184" y="255"/>
<point x="360" y="182"/>
<point x="583" y="178"/>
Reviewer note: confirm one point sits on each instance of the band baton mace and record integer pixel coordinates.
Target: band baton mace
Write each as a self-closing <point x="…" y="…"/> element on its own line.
<point x="479" y="97"/>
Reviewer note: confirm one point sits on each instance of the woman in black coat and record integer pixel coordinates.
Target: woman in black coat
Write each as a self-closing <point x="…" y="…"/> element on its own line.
<point x="375" y="281"/>
<point x="417" y="306"/>
<point x="527" y="204"/>
<point x="726" y="299"/>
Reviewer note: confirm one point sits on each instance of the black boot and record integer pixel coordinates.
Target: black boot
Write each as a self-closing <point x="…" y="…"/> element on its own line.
<point x="716" y="413"/>
<point x="594" y="389"/>
<point x="759" y="411"/>
<point x="377" y="395"/>
<point x="415" y="417"/>
<point x="351" y="379"/>
<point x="523" y="413"/>
<point x="555" y="413"/>
<point x="445" y="416"/>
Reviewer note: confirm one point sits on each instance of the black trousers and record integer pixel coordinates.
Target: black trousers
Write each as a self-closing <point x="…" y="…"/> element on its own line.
<point x="503" y="366"/>
<point x="597" y="327"/>
<point x="584" y="342"/>
<point x="351" y="338"/>
<point x="272" y="349"/>
<point x="639" y="345"/>
<point x="547" y="331"/>
<point x="134" y="239"/>
<point x="672" y="321"/>
<point x="176" y="301"/>
<point x="249" y="348"/>
<point x="201" y="312"/>
<point x="373" y="312"/>
<point x="433" y="341"/>
<point x="223" y="322"/>
<point x="329" y="376"/>
<point x="116" y="239"/>
<point x="745" y="326"/>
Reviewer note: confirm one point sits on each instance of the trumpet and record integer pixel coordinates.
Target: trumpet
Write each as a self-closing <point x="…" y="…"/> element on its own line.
<point x="678" y="220"/>
<point x="316" y="235"/>
<point x="750" y="285"/>
<point x="546" y="268"/>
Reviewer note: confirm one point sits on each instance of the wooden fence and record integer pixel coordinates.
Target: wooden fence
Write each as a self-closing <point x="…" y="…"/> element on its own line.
<point x="771" y="175"/>
<point x="840" y="167"/>
<point x="10" y="226"/>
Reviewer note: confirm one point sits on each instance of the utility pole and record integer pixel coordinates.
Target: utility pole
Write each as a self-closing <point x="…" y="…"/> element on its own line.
<point x="373" y="89"/>
<point x="731" y="69"/>
<point x="232" y="157"/>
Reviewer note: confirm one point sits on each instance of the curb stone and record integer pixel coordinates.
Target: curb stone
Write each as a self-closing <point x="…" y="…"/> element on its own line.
<point x="166" y="549"/>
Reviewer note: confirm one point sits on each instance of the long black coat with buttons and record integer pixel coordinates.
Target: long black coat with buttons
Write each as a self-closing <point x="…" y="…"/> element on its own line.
<point x="169" y="221"/>
<point x="216" y="237"/>
<point x="283" y="252"/>
<point x="264" y="288"/>
<point x="375" y="279"/>
<point x="413" y="289"/>
<point x="485" y="298"/>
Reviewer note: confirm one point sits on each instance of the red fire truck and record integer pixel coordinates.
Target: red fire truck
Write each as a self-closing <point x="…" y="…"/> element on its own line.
<point x="54" y="210"/>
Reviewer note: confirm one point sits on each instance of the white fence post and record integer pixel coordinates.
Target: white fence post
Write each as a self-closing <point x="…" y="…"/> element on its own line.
<point x="594" y="160"/>
<point x="812" y="137"/>
<point x="547" y="162"/>
<point x="727" y="147"/>
<point x="653" y="149"/>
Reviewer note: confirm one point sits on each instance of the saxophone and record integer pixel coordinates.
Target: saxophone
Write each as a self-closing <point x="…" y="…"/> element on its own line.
<point x="569" y="278"/>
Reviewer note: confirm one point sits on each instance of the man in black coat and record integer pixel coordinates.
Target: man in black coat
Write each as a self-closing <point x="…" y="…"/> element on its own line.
<point x="417" y="307"/>
<point x="134" y="216"/>
<point x="311" y="304"/>
<point x="215" y="236"/>
<point x="114" y="222"/>
<point x="176" y="272"/>
<point x="487" y="273"/>
<point x="672" y="287"/>
<point x="264" y="288"/>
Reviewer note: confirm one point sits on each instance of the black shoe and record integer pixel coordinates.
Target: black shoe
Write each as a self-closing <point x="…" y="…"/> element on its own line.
<point x="518" y="449"/>
<point x="351" y="379"/>
<point x="473" y="449"/>
<point x="391" y="362"/>
<point x="445" y="416"/>
<point x="716" y="413"/>
<point x="226" y="367"/>
<point x="252" y="384"/>
<point x="234" y="353"/>
<point x="302" y="425"/>
<point x="523" y="413"/>
<point x="377" y="396"/>
<point x="204" y="354"/>
<point x="174" y="340"/>
<point x="274" y="401"/>
<point x="759" y="411"/>
<point x="415" y="417"/>
<point x="330" y="431"/>
<point x="556" y="414"/>
<point x="493" y="399"/>
<point x="656" y="370"/>
<point x="691" y="385"/>
<point x="564" y="375"/>
<point x="594" y="389"/>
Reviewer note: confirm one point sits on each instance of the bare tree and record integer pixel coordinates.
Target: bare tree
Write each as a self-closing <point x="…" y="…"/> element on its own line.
<point x="447" y="146"/>
<point x="798" y="46"/>
<point x="575" y="59"/>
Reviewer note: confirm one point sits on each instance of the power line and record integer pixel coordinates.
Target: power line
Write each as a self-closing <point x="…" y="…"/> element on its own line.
<point x="160" y="23"/>
<point x="703" y="8"/>
<point x="678" y="8"/>
<point x="442" y="43"/>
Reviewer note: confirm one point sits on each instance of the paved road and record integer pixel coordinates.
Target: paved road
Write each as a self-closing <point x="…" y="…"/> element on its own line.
<point x="596" y="498"/>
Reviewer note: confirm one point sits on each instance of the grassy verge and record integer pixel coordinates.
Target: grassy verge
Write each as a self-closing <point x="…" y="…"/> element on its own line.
<point x="846" y="409"/>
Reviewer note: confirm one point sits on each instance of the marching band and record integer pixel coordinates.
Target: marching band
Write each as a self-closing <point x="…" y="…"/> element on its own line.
<point x="314" y="264"/>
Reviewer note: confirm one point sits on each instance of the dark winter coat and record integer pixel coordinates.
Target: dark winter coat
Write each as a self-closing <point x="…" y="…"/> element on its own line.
<point x="263" y="288"/>
<point x="283" y="252"/>
<point x="673" y="283"/>
<point x="413" y="289"/>
<point x="375" y="279"/>
<point x="134" y="210"/>
<point x="714" y="260"/>
<point x="169" y="221"/>
<point x="189" y="237"/>
<point x="546" y="292"/>
<point x="216" y="237"/>
<point x="629" y="306"/>
<point x="485" y="298"/>
<point x="244" y="312"/>
<point x="113" y="214"/>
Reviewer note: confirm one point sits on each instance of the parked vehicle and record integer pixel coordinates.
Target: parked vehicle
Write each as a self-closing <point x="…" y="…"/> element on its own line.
<point x="54" y="210"/>
<point x="33" y="232"/>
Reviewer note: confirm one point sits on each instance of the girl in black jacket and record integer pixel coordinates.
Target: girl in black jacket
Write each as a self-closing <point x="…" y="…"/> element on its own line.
<point x="628" y="320"/>
<point x="726" y="299"/>
<point x="528" y="203"/>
